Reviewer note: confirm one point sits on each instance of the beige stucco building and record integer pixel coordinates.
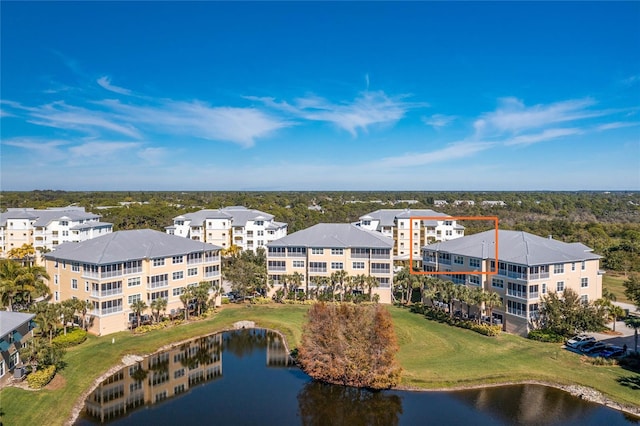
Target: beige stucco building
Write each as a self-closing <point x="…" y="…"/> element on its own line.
<point x="325" y="248"/>
<point x="528" y="267"/>
<point x="46" y="229"/>
<point x="410" y="237"/>
<point x="245" y="228"/>
<point x="115" y="270"/>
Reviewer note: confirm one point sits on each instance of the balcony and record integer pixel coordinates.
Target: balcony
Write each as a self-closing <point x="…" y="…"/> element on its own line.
<point x="519" y="294"/>
<point x="381" y="256"/>
<point x="106" y="293"/>
<point x="539" y="276"/>
<point x="135" y="270"/>
<point x="158" y="284"/>
<point x="277" y="254"/>
<point x="277" y="268"/>
<point x="212" y="274"/>
<point x="316" y="269"/>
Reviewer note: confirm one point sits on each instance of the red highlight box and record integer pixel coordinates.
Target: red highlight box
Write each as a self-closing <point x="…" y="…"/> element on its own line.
<point x="483" y="218"/>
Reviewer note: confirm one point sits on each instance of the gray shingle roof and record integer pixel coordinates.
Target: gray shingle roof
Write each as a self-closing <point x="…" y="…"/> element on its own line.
<point x="334" y="235"/>
<point x="516" y="247"/>
<point x="9" y="321"/>
<point x="89" y="225"/>
<point x="240" y="215"/>
<point x="387" y="216"/>
<point x="44" y="217"/>
<point x="121" y="246"/>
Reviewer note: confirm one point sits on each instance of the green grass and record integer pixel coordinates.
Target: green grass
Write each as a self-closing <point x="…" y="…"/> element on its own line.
<point x="615" y="284"/>
<point x="432" y="355"/>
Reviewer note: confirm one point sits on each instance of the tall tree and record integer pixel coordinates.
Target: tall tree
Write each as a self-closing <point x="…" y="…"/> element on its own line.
<point x="138" y="307"/>
<point x="67" y="311"/>
<point x="634" y="322"/>
<point x="9" y="274"/>
<point x="632" y="289"/>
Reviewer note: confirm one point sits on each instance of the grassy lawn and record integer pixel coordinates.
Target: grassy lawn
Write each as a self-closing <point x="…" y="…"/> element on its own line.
<point x="432" y="355"/>
<point x="614" y="282"/>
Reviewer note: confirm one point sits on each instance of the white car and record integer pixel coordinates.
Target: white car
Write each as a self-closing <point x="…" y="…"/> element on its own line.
<point x="576" y="341"/>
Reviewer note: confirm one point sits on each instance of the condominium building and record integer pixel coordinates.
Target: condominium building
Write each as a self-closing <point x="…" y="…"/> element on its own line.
<point x="116" y="270"/>
<point x="409" y="237"/>
<point x="16" y="329"/>
<point x="325" y="248"/>
<point x="245" y="228"/>
<point x="46" y="229"/>
<point x="527" y="268"/>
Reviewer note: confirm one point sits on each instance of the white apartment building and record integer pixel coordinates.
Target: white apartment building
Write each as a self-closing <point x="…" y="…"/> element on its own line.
<point x="325" y="248"/>
<point x="528" y="267"/>
<point x="396" y="224"/>
<point x="115" y="270"/>
<point x="46" y="229"/>
<point x="236" y="225"/>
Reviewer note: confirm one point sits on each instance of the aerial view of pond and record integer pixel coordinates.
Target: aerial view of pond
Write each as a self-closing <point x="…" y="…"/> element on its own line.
<point x="244" y="377"/>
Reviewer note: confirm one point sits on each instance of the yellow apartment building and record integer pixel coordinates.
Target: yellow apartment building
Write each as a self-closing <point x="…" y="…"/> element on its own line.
<point x="527" y="268"/>
<point x="325" y="248"/>
<point x="117" y="269"/>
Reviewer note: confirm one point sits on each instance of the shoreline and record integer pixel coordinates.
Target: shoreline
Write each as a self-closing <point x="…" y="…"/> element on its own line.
<point x="582" y="392"/>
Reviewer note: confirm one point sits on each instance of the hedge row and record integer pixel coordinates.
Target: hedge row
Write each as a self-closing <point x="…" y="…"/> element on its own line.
<point x="38" y="379"/>
<point x="72" y="338"/>
<point x="544" y="335"/>
<point x="441" y="316"/>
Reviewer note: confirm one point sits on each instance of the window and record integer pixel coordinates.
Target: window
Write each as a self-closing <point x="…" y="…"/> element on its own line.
<point x="584" y="265"/>
<point x="178" y="275"/>
<point x="584" y="299"/>
<point x="111" y="306"/>
<point x="74" y="284"/>
<point x="276" y="265"/>
<point x="132" y="282"/>
<point x="86" y="286"/>
<point x="337" y="265"/>
<point x="317" y="251"/>
<point x="177" y="259"/>
<point x="317" y="266"/>
<point x="380" y="268"/>
<point x="160" y="295"/>
<point x="178" y="291"/>
<point x="558" y="268"/>
<point x="358" y="265"/>
<point x="158" y="280"/>
<point x="64" y="223"/>
<point x="259" y="222"/>
<point x="448" y="222"/>
<point x="474" y="262"/>
<point x="133" y="298"/>
<point x="458" y="260"/>
<point x="192" y="271"/>
<point x="584" y="282"/>
<point x="496" y="282"/>
<point x="474" y="279"/>
<point x="544" y="288"/>
<point x="158" y="262"/>
<point x="260" y="233"/>
<point x="448" y="232"/>
<point x="75" y="267"/>
<point x="57" y="296"/>
<point x="337" y="251"/>
<point x="65" y="233"/>
<point x="560" y="286"/>
<point x="573" y="266"/>
<point x="298" y="263"/>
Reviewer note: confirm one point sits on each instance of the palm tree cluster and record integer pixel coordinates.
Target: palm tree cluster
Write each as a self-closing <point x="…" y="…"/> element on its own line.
<point x="337" y="286"/>
<point x="21" y="283"/>
<point x="444" y="295"/>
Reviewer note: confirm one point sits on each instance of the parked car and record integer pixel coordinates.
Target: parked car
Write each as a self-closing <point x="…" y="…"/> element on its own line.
<point x="611" y="352"/>
<point x="577" y="341"/>
<point x="597" y="347"/>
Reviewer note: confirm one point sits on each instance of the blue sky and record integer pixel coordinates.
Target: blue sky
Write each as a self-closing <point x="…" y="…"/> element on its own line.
<point x="320" y="96"/>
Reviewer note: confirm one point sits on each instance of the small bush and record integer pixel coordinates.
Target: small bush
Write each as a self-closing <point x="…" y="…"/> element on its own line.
<point x="225" y="301"/>
<point x="40" y="378"/>
<point x="261" y="301"/>
<point x="544" y="335"/>
<point x="600" y="361"/>
<point x="72" y="338"/>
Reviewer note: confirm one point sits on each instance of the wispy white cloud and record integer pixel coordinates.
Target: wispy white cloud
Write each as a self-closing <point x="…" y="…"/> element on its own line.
<point x="452" y="151"/>
<point x="514" y="117"/>
<point x="438" y="120"/>
<point x="617" y="125"/>
<point x="105" y="83"/>
<point x="543" y="136"/>
<point x="630" y="81"/>
<point x="4" y="113"/>
<point x="366" y="110"/>
<point x="101" y="149"/>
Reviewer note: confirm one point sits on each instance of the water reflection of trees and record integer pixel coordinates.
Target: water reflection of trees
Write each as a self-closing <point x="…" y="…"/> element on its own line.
<point x="323" y="404"/>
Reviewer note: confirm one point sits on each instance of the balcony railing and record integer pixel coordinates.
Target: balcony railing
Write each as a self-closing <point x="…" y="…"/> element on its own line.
<point x="296" y="254"/>
<point x="381" y="256"/>
<point x="90" y="274"/>
<point x="194" y="261"/>
<point x="158" y="284"/>
<point x="520" y="294"/>
<point x="380" y="271"/>
<point x="277" y="254"/>
<point x="111" y="310"/>
<point x="211" y="274"/>
<point x="534" y="295"/>
<point x="359" y="255"/>
<point x="212" y="258"/>
<point x="111" y="274"/>
<point x="539" y="276"/>
<point x="135" y="270"/>
<point x="314" y="269"/>
<point x="106" y="293"/>
<point x="444" y="261"/>
<point x="277" y="268"/>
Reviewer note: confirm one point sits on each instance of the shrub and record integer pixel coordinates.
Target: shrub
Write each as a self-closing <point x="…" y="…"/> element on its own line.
<point x="225" y="301"/>
<point x="545" y="335"/>
<point x="40" y="378"/>
<point x="261" y="301"/>
<point x="72" y="338"/>
<point x="601" y="361"/>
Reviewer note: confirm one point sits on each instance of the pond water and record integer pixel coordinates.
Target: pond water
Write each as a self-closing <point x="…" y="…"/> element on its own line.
<point x="244" y="377"/>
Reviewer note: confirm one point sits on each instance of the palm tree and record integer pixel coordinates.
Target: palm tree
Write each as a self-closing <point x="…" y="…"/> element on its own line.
<point x="401" y="283"/>
<point x="201" y="294"/>
<point x="138" y="307"/>
<point x="67" y="311"/>
<point x="83" y="307"/>
<point x="371" y="283"/>
<point x="338" y="278"/>
<point x="608" y="295"/>
<point x="9" y="273"/>
<point x="296" y="280"/>
<point x="32" y="282"/>
<point x="634" y="322"/>
<point x="48" y="318"/>
<point x="185" y="298"/>
<point x="156" y="307"/>
<point x="491" y="300"/>
<point x="615" y="312"/>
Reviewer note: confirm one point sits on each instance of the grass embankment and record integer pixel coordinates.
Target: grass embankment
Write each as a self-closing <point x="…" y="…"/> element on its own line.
<point x="432" y="355"/>
<point x="615" y="284"/>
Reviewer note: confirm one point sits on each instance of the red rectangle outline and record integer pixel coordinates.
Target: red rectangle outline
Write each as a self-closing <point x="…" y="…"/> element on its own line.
<point x="412" y="218"/>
